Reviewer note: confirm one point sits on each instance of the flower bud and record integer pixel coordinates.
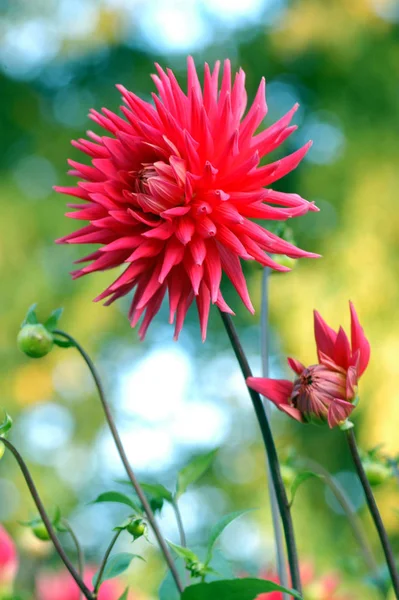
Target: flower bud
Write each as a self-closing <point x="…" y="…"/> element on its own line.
<point x="137" y="528"/>
<point x="376" y="472"/>
<point x="40" y="531"/>
<point x="35" y="340"/>
<point x="196" y="568"/>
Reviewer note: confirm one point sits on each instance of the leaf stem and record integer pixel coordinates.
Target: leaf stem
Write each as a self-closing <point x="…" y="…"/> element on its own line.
<point x="179" y="520"/>
<point x="45" y="518"/>
<point x="271" y="453"/>
<point x="351" y="439"/>
<point x="264" y="346"/>
<point x="118" y="442"/>
<point x="350" y="512"/>
<point x="79" y="551"/>
<point x="104" y="562"/>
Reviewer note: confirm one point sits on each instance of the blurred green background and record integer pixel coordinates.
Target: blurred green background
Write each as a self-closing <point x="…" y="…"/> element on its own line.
<point x="340" y="60"/>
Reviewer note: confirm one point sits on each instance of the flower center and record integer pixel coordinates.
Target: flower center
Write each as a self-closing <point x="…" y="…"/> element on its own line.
<point x="143" y="176"/>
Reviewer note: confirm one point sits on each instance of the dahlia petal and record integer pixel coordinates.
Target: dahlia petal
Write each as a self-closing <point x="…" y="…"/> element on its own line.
<point x="359" y="341"/>
<point x="152" y="287"/>
<point x="228" y="213"/>
<point x="71" y="191"/>
<point x="198" y="249"/>
<point x="195" y="272"/>
<point x="185" y="230"/>
<point x="292" y="412"/>
<point x="260" y="140"/>
<point x="339" y="410"/>
<point x="222" y="304"/>
<point x="226" y="237"/>
<point x="325" y="336"/>
<point x="147" y="249"/>
<point x="342" y="350"/>
<point x="255" y="115"/>
<point x="211" y="88"/>
<point x="351" y="382"/>
<point x="174" y="253"/>
<point x="175" y="288"/>
<point x="232" y="267"/>
<point x="328" y="362"/>
<point x="271" y="173"/>
<point x="161" y="232"/>
<point x="239" y="96"/>
<point x="151" y="311"/>
<point x="206" y="228"/>
<point x="296" y="365"/>
<point x="213" y="268"/>
<point x="123" y="243"/>
<point x="184" y="304"/>
<point x="277" y="391"/>
<point x="179" y="168"/>
<point x="203" y="300"/>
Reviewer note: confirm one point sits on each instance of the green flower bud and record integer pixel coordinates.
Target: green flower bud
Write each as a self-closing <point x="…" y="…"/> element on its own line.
<point x="137" y="528"/>
<point x="288" y="475"/>
<point x="35" y="340"/>
<point x="376" y="472"/>
<point x="40" y="531"/>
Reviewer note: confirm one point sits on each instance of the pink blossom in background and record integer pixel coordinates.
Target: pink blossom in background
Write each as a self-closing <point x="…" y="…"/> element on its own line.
<point x="8" y="559"/>
<point x="60" y="585"/>
<point x="172" y="189"/>
<point x="325" y="391"/>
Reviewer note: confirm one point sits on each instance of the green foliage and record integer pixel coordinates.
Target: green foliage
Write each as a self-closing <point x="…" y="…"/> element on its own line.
<point x="218" y="529"/>
<point x="118" y="498"/>
<point x="6" y="425"/>
<point x="116" y="565"/>
<point x="125" y="594"/>
<point x="39" y="528"/>
<point x="193" y="471"/>
<point x="157" y="491"/>
<point x="235" y="589"/>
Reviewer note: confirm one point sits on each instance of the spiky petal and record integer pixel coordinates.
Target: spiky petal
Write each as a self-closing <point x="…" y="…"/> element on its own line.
<point x="171" y="191"/>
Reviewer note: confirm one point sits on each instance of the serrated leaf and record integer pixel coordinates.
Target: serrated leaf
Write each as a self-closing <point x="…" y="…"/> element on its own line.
<point x="299" y="479"/>
<point x="118" y="498"/>
<point x="184" y="552"/>
<point x="234" y="589"/>
<point x="193" y="471"/>
<point x="53" y="319"/>
<point x="116" y="565"/>
<point x="6" y="425"/>
<point x="218" y="529"/>
<point x="30" y="318"/>
<point x="62" y="343"/>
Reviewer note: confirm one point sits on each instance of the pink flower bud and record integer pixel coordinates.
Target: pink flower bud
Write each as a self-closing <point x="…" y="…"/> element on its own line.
<point x="325" y="392"/>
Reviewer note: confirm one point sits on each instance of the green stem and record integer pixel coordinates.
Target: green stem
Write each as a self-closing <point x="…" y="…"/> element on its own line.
<point x="263" y="421"/>
<point x="45" y="518"/>
<point x="79" y="551"/>
<point x="104" y="562"/>
<point x="121" y="451"/>
<point x="179" y="520"/>
<point x="373" y="508"/>
<point x="264" y="346"/>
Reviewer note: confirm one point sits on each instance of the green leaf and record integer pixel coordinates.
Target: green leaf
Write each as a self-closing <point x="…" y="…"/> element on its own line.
<point x="30" y="318"/>
<point x="193" y="471"/>
<point x="117" y="564"/>
<point x="6" y="425"/>
<point x="299" y="479"/>
<point x="63" y="343"/>
<point x="125" y="594"/>
<point x="53" y="319"/>
<point x="218" y="529"/>
<point x="234" y="589"/>
<point x="184" y="552"/>
<point x="118" y="498"/>
<point x="157" y="491"/>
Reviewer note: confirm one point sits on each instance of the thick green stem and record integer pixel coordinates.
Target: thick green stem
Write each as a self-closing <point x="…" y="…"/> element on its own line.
<point x="373" y="508"/>
<point x="263" y="421"/>
<point x="46" y="520"/>
<point x="121" y="451"/>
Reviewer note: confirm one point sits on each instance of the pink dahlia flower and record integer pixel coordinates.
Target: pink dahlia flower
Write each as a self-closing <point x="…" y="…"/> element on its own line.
<point x="8" y="559"/>
<point x="61" y="586"/>
<point x="172" y="190"/>
<point x="325" y="391"/>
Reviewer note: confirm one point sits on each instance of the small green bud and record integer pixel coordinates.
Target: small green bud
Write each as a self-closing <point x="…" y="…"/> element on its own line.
<point x="35" y="340"/>
<point x="137" y="528"/>
<point x="196" y="568"/>
<point x="40" y="531"/>
<point x="376" y="472"/>
<point x="288" y="475"/>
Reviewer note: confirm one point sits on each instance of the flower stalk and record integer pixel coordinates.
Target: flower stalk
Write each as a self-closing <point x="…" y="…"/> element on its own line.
<point x="46" y="520"/>
<point x="121" y="451"/>
<point x="373" y="508"/>
<point x="263" y="421"/>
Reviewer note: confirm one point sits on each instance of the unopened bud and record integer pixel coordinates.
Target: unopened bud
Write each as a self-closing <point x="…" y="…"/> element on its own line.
<point x="137" y="528"/>
<point x="40" y="531"/>
<point x="35" y="340"/>
<point x="196" y="568"/>
<point x="288" y="475"/>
